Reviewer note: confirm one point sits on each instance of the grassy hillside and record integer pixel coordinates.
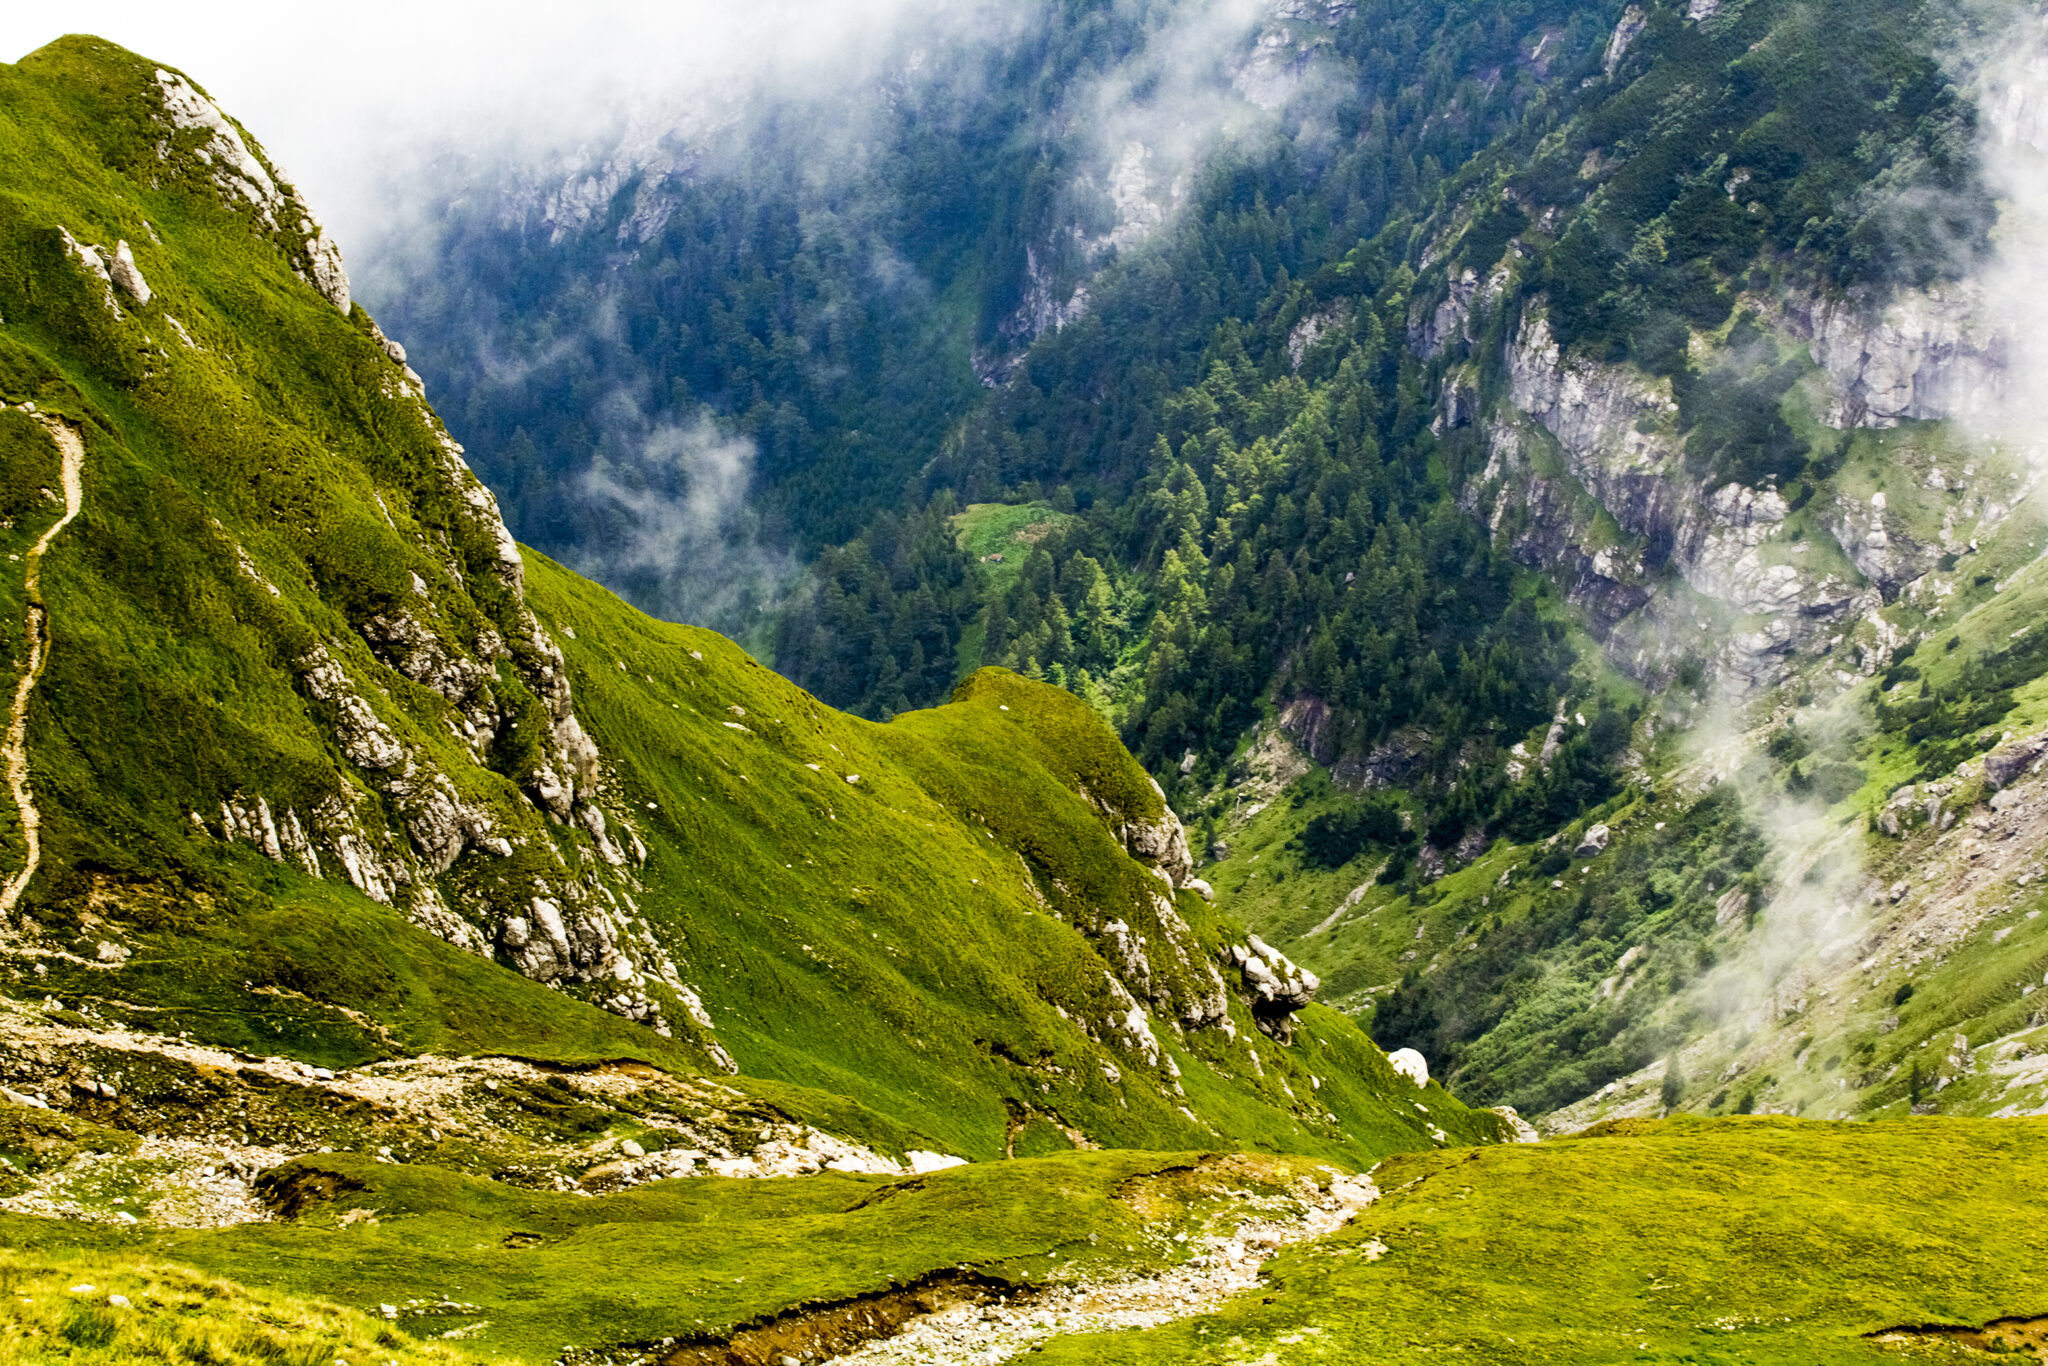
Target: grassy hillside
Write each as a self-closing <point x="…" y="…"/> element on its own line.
<point x="313" y="753"/>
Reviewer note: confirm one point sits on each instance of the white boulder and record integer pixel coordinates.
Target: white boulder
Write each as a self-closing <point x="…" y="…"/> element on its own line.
<point x="1410" y="1064"/>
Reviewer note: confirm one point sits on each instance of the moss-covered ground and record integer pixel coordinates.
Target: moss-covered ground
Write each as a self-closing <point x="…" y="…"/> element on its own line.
<point x="1760" y="1240"/>
<point x="93" y="1307"/>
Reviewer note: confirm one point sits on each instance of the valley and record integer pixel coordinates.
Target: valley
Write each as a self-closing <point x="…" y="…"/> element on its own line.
<point x="1416" y="726"/>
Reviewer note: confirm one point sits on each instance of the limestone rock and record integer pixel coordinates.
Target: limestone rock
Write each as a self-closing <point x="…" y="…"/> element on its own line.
<point x="1919" y="357"/>
<point x="125" y="274"/>
<point x="1410" y="1064"/>
<point x="1594" y="841"/>
<point x="362" y="735"/>
<point x="1522" y="1129"/>
<point x="1274" y="987"/>
<point x="408" y="645"/>
<point x="324" y="268"/>
<point x="922" y="1162"/>
<point x="1633" y="22"/>
<point x="1160" y="842"/>
<point x="2002" y="766"/>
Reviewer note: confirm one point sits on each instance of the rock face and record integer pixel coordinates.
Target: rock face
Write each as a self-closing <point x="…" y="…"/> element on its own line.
<point x="1161" y="843"/>
<point x="2005" y="765"/>
<point x="1521" y="1129"/>
<point x="1295" y="31"/>
<point x="125" y="274"/>
<point x="1633" y="22"/>
<point x="1918" y="357"/>
<point x="1624" y="470"/>
<point x="419" y="814"/>
<point x="204" y="143"/>
<point x="1273" y="986"/>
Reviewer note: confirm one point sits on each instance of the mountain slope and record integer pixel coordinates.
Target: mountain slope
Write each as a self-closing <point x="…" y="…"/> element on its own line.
<point x="1780" y="476"/>
<point x="302" y="689"/>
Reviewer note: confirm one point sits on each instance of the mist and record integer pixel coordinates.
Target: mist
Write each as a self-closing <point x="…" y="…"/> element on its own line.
<point x="473" y="163"/>
<point x="2009" y="71"/>
<point x="1819" y="914"/>
<point x="352" y="102"/>
<point x="679" y="497"/>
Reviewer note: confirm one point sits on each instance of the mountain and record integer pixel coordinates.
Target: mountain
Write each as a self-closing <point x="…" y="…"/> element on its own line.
<point x="1598" y="655"/>
<point x="1596" y="456"/>
<point x="347" y="833"/>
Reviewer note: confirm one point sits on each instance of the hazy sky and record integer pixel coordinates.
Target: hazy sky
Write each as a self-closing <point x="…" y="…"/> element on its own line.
<point x="335" y="93"/>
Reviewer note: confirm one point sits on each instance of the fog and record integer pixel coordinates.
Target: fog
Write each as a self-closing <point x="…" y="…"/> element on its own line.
<point x="1821" y="909"/>
<point x="346" y="98"/>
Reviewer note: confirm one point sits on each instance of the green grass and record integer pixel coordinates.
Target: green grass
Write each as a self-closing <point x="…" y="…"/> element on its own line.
<point x="57" y="1307"/>
<point x="916" y="956"/>
<point x="1758" y="1241"/>
<point x="694" y="1257"/>
<point x="911" y="940"/>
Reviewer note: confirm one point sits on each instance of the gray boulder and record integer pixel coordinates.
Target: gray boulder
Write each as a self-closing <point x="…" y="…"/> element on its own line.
<point x="1274" y="987"/>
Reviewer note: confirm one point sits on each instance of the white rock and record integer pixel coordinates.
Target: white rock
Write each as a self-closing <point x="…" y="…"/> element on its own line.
<point x="922" y="1161"/>
<point x="1410" y="1064"/>
<point x="632" y="1149"/>
<point x="123" y="270"/>
<point x="1523" y="1130"/>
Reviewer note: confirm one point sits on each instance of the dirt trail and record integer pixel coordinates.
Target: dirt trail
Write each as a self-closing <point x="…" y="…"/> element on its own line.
<point x="14" y="753"/>
<point x="980" y="1334"/>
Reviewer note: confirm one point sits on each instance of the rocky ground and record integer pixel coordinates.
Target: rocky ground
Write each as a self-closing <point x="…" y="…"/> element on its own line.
<point x="112" y="1125"/>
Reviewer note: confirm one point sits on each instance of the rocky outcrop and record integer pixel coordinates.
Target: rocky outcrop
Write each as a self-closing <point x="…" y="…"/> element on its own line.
<point x="1272" y="986"/>
<point x="1433" y="331"/>
<point x="1286" y="46"/>
<point x="2008" y="763"/>
<point x="1916" y="357"/>
<point x="1410" y="1064"/>
<point x="1519" y="1130"/>
<point x="125" y="273"/>
<point x="1624" y="471"/>
<point x="1329" y="320"/>
<point x="1633" y="22"/>
<point x="206" y="145"/>
<point x="362" y="735"/>
<point x="1160" y="843"/>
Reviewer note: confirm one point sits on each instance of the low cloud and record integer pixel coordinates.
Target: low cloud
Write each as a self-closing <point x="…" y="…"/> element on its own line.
<point x="684" y="541"/>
